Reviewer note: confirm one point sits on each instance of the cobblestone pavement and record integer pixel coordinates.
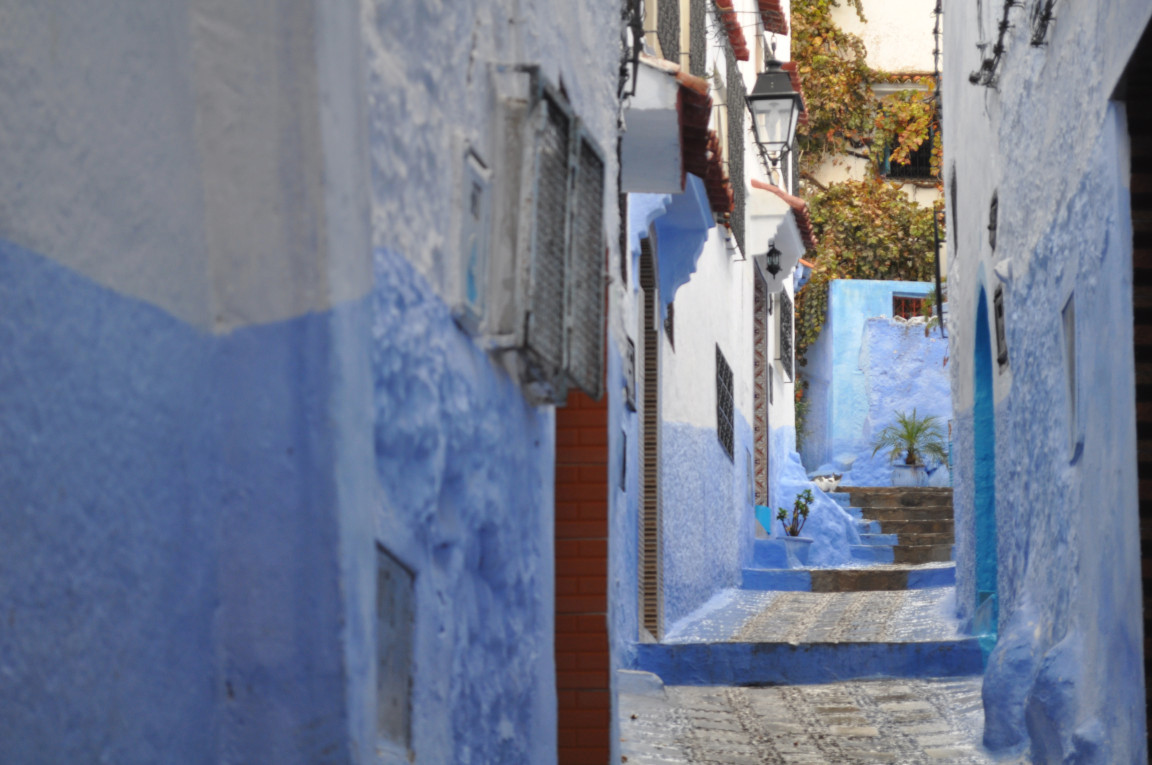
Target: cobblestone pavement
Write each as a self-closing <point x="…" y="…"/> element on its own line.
<point x="815" y="617"/>
<point x="853" y="723"/>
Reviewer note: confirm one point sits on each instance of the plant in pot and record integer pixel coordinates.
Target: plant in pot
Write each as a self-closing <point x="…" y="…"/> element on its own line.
<point x="795" y="545"/>
<point x="913" y="438"/>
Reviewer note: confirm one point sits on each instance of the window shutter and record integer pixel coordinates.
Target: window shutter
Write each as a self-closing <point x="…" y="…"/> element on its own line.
<point x="585" y="320"/>
<point x="545" y="320"/>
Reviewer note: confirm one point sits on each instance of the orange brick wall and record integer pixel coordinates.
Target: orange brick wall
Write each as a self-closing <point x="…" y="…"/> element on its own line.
<point x="582" y="672"/>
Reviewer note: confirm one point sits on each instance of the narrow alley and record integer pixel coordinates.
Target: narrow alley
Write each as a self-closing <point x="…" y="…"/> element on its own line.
<point x="865" y="663"/>
<point x="517" y="382"/>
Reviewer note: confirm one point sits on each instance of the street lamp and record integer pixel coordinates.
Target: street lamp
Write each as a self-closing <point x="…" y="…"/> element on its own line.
<point x="772" y="261"/>
<point x="776" y="109"/>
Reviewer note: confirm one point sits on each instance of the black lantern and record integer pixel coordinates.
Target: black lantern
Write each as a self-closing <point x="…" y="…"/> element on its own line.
<point x="776" y="109"/>
<point x="772" y="261"/>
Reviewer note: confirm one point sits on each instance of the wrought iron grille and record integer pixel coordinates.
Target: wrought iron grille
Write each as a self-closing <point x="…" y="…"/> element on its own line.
<point x="919" y="164"/>
<point x="668" y="29"/>
<point x="724" y="429"/>
<point x="786" y="334"/>
<point x="907" y="307"/>
<point x="736" y="111"/>
<point x="670" y="326"/>
<point x="586" y="269"/>
<point x="546" y="320"/>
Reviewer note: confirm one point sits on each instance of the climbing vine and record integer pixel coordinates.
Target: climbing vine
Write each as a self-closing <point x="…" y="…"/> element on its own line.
<point x="866" y="229"/>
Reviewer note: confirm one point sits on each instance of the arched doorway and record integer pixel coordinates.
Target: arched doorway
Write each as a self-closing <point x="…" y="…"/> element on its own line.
<point x="984" y="461"/>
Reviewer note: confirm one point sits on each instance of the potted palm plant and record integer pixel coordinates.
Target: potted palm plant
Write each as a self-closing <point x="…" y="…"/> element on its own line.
<point x="913" y="438"/>
<point x="796" y="546"/>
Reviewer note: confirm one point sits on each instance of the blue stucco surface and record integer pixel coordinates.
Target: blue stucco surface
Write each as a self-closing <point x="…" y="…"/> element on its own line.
<point x="1064" y="680"/>
<point x="830" y="526"/>
<point x="466" y="475"/>
<point x="169" y="555"/>
<point x="864" y="368"/>
<point x="708" y="528"/>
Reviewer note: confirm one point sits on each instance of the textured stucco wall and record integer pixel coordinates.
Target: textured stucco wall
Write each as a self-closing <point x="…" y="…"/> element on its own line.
<point x="466" y="473"/>
<point x="184" y="227"/>
<point x="1064" y="681"/>
<point x="897" y="33"/>
<point x="863" y="370"/>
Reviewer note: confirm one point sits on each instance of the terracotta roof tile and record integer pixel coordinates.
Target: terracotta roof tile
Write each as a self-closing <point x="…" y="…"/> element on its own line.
<point x="799" y="210"/>
<point x="731" y="24"/>
<point x="773" y="16"/>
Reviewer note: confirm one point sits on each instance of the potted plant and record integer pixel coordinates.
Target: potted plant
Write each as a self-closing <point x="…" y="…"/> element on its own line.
<point x="795" y="545"/>
<point x="913" y="438"/>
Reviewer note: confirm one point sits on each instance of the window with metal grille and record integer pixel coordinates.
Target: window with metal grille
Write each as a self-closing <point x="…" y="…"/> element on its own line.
<point x="907" y="306"/>
<point x="669" y="325"/>
<point x="736" y="98"/>
<point x="919" y="164"/>
<point x="668" y="29"/>
<point x="564" y="325"/>
<point x="395" y="624"/>
<point x="785" y="319"/>
<point x="1001" y="338"/>
<point x="724" y="430"/>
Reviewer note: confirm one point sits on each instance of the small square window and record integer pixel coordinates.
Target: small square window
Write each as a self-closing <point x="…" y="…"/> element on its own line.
<point x="907" y="306"/>
<point x="919" y="164"/>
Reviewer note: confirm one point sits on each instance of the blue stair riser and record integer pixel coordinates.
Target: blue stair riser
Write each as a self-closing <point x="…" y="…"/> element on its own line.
<point x="919" y="579"/>
<point x="880" y="539"/>
<point x="806" y="663"/>
<point x="868" y="527"/>
<point x="788" y="580"/>
<point x="769" y="553"/>
<point x="872" y="553"/>
<point x="842" y="498"/>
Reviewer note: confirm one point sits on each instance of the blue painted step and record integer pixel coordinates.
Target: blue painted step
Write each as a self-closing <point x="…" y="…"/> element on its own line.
<point x="784" y="579"/>
<point x="769" y="553"/>
<point x="872" y="553"/>
<point x="868" y="527"/>
<point x="842" y="498"/>
<point x="732" y="663"/>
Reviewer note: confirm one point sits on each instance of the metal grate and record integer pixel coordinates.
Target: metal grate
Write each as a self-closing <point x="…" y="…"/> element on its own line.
<point x="697" y="38"/>
<point x="395" y="623"/>
<point x="724" y="429"/>
<point x="546" y="296"/>
<point x="668" y="29"/>
<point x="736" y="110"/>
<point x="651" y="583"/>
<point x="785" y="318"/>
<point x="586" y="269"/>
<point x="907" y="307"/>
<point x="919" y="164"/>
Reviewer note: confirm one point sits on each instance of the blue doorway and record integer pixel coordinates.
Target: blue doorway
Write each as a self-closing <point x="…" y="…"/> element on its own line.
<point x="984" y="461"/>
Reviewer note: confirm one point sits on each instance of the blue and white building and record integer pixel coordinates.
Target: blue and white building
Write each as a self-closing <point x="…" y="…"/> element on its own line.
<point x="1045" y="108"/>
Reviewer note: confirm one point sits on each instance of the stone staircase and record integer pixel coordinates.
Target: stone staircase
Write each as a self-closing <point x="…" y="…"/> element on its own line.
<point x="906" y="536"/>
<point x="887" y="615"/>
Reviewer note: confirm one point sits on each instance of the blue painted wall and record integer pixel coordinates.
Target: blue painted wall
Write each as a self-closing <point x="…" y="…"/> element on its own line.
<point x="1064" y="682"/>
<point x="708" y="528"/>
<point x="466" y="494"/>
<point x="984" y="472"/>
<point x="861" y="371"/>
<point x="169" y="556"/>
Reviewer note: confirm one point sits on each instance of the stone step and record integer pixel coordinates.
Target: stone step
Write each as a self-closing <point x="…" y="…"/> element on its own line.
<point x="921" y="538"/>
<point x="926" y="512"/>
<point x="867" y="527"/>
<point x="936" y="526"/>
<point x="900" y="497"/>
<point x="898" y="576"/>
<point x="880" y="539"/>
<point x="922" y="553"/>
<point x="741" y="638"/>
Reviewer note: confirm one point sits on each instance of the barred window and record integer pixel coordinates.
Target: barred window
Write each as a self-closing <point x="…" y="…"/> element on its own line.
<point x="786" y="334"/>
<point x="907" y="306"/>
<point x="919" y="164"/>
<point x="669" y="325"/>
<point x="724" y="404"/>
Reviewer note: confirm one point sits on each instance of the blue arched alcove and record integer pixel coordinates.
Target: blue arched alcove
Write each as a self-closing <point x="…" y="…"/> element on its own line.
<point x="984" y="461"/>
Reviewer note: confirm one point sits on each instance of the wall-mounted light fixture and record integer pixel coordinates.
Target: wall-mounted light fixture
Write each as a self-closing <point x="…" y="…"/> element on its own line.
<point x="776" y="109"/>
<point x="772" y="259"/>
